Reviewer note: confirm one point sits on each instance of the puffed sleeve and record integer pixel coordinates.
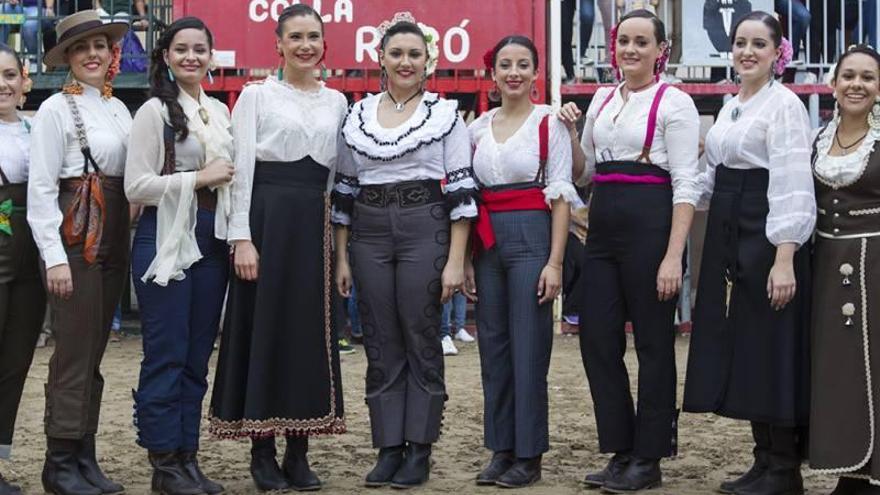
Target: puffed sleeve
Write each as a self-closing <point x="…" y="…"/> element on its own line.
<point x="792" y="199"/>
<point x="244" y="133"/>
<point x="461" y="189"/>
<point x="48" y="147"/>
<point x="346" y="186"/>
<point x="146" y="156"/>
<point x="587" y="135"/>
<point x="559" y="164"/>
<point x="681" y="133"/>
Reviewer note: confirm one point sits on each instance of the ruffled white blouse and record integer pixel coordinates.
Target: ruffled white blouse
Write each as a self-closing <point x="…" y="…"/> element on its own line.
<point x="274" y="121"/>
<point x="846" y="170"/>
<point x="56" y="155"/>
<point x="432" y="144"/>
<point x="15" y="149"/>
<point x="772" y="131"/>
<point x="517" y="159"/>
<point x="619" y="134"/>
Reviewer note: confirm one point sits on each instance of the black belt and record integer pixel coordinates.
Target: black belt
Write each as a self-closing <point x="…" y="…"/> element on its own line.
<point x="403" y="194"/>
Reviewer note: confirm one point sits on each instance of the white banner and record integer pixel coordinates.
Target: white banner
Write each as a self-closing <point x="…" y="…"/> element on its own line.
<point x="706" y="37"/>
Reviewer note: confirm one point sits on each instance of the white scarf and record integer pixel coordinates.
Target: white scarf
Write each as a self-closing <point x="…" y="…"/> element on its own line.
<point x="176" y="245"/>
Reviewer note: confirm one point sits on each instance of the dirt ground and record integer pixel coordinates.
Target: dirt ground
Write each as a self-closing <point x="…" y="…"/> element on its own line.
<point x="711" y="448"/>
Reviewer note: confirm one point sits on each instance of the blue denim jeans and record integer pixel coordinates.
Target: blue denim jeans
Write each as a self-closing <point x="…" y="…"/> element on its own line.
<point x="799" y="20"/>
<point x="458" y="304"/>
<point x="353" y="315"/>
<point x="869" y="24"/>
<point x="29" y="29"/>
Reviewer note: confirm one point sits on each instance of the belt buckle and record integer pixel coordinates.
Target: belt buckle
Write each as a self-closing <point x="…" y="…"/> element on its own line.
<point x="414" y="195"/>
<point x="374" y="196"/>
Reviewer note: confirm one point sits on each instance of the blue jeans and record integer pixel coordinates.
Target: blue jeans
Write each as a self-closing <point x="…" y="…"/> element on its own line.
<point x="800" y="21"/>
<point x="353" y="316"/>
<point x="29" y="29"/>
<point x="179" y="323"/>
<point x="587" y="16"/>
<point x="459" y="305"/>
<point x="869" y="23"/>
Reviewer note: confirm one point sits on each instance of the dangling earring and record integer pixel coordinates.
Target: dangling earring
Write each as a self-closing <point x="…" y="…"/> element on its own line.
<point x="494" y="94"/>
<point x="170" y="75"/>
<point x="874" y="117"/>
<point x="836" y="115"/>
<point x="424" y="80"/>
<point x="281" y="72"/>
<point x="533" y="94"/>
<point x="323" y="72"/>
<point x="383" y="79"/>
<point x="210" y="77"/>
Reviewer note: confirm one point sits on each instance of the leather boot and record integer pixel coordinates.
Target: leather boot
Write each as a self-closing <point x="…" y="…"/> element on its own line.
<point x="88" y="466"/>
<point x="761" y="435"/>
<point x="524" y="472"/>
<point x="783" y="473"/>
<point x="616" y="465"/>
<point x="416" y="466"/>
<point x="169" y="477"/>
<point x="387" y="463"/>
<point x="264" y="467"/>
<point x="500" y="463"/>
<point x="7" y="488"/>
<point x="296" y="465"/>
<point x="61" y="474"/>
<point x="640" y="474"/>
<point x="190" y="462"/>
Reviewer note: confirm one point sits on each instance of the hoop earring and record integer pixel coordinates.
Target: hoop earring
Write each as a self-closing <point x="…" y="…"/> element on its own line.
<point x="170" y="75"/>
<point x="383" y="79"/>
<point x="533" y="93"/>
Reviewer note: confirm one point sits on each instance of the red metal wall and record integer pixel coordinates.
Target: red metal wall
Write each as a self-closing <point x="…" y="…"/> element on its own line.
<point x="466" y="28"/>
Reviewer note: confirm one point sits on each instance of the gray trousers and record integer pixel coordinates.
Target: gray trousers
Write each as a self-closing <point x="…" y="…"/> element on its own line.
<point x="397" y="256"/>
<point x="515" y="334"/>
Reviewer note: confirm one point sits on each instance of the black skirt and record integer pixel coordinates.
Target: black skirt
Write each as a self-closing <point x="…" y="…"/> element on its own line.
<point x="278" y="370"/>
<point x="747" y="361"/>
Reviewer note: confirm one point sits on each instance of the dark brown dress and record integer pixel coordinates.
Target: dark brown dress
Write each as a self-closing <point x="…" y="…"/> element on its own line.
<point x="845" y="406"/>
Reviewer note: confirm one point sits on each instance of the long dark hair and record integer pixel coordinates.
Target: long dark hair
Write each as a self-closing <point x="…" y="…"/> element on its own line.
<point x="296" y="10"/>
<point x="161" y="86"/>
<point x="515" y="39"/>
<point x="763" y="17"/>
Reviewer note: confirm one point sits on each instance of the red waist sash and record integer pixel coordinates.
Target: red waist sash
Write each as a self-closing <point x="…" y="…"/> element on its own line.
<point x="497" y="201"/>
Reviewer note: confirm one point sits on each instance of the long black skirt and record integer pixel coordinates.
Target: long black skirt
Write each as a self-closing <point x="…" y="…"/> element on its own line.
<point x="278" y="371"/>
<point x="747" y="361"/>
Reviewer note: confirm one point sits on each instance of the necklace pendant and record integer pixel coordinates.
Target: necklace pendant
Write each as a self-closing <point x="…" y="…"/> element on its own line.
<point x="203" y="114"/>
<point x="735" y="114"/>
<point x="400" y="107"/>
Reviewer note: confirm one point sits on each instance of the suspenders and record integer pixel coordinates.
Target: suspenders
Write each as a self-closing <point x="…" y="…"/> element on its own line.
<point x="652" y="121"/>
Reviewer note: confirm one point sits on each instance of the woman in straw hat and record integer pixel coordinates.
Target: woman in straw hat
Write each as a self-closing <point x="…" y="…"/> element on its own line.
<point x="79" y="217"/>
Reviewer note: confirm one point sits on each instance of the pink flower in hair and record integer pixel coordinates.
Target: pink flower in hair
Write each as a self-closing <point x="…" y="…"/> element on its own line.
<point x="660" y="65"/>
<point x="613" y="53"/>
<point x="785" y="54"/>
<point x="489" y="58"/>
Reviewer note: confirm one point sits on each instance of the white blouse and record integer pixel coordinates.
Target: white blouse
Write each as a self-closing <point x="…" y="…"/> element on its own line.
<point x="274" y="121"/>
<point x="174" y="195"/>
<point x="619" y="134"/>
<point x="56" y="155"/>
<point x="773" y="133"/>
<point x="846" y="170"/>
<point x="15" y="149"/>
<point x="432" y="144"/>
<point x="517" y="159"/>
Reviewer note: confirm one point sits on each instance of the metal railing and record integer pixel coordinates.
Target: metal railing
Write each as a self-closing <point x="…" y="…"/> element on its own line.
<point x="36" y="34"/>
<point x="828" y="27"/>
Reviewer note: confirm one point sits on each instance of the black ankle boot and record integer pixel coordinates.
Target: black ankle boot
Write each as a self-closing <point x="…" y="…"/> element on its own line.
<point x="190" y="462"/>
<point x="91" y="471"/>
<point x="761" y="435"/>
<point x="387" y="463"/>
<point x="61" y="474"/>
<point x="169" y="476"/>
<point x="783" y="473"/>
<point x="7" y="488"/>
<point x="415" y="468"/>
<point x="500" y="463"/>
<point x="616" y="465"/>
<point x="264" y="468"/>
<point x="296" y="465"/>
<point x="523" y="473"/>
<point x="639" y="474"/>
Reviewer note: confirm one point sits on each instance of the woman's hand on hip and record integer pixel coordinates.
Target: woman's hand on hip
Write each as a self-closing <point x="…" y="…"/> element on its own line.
<point x="246" y="260"/>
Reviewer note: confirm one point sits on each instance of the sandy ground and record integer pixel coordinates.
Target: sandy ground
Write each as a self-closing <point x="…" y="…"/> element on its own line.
<point x="711" y="448"/>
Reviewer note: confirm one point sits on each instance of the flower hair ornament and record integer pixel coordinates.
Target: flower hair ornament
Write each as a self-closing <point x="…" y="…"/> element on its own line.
<point x="432" y="37"/>
<point x="785" y="54"/>
<point x="27" y="84"/>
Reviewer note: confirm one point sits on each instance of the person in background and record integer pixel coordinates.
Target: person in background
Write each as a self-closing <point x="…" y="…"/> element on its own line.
<point x="22" y="296"/>
<point x="457" y="306"/>
<point x="119" y="10"/>
<point x="32" y="25"/>
<point x="587" y="18"/>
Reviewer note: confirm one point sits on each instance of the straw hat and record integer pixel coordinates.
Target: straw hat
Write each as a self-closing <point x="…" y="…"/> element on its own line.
<point x="78" y="26"/>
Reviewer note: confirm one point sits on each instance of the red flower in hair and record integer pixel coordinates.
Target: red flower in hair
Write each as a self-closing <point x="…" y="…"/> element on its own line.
<point x="489" y="59"/>
<point x="323" y="55"/>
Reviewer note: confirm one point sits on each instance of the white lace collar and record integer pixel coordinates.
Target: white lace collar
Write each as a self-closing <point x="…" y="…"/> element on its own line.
<point x="433" y="120"/>
<point x="841" y="171"/>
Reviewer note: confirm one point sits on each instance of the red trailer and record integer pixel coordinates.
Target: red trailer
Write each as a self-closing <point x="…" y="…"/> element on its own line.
<point x="466" y="29"/>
